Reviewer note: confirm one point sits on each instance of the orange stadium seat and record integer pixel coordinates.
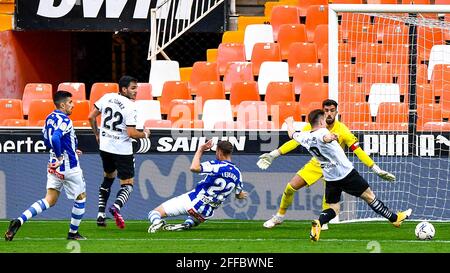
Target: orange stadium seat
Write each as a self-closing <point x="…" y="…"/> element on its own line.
<point x="306" y="72"/>
<point x="392" y="112"/>
<point x="158" y="123"/>
<point x="244" y="21"/>
<point x="347" y="73"/>
<point x="345" y="53"/>
<point x="393" y="34"/>
<point x="244" y="91"/>
<point x="301" y="53"/>
<point x="185" y="74"/>
<point x="39" y="110"/>
<point x="355" y="112"/>
<point x="436" y="126"/>
<point x="211" y="55"/>
<point x="173" y="90"/>
<point x="34" y="91"/>
<point x="416" y="2"/>
<point x="358" y="33"/>
<point x="442" y="2"/>
<point x="303" y="5"/>
<point x="371" y="53"/>
<point x="233" y="36"/>
<point x="351" y="21"/>
<point x="15" y="122"/>
<point x="182" y="110"/>
<point x="279" y="91"/>
<point x="322" y="54"/>
<point x="11" y="109"/>
<point x="263" y="52"/>
<point x="288" y="34"/>
<point x="283" y="14"/>
<point x="203" y="71"/>
<point x="425" y="94"/>
<point x="397" y="54"/>
<point x="377" y="73"/>
<point x="321" y="35"/>
<point x="237" y="72"/>
<point x="81" y="110"/>
<point x="144" y="91"/>
<point x="252" y="110"/>
<point x="430" y="112"/>
<point x="209" y="90"/>
<point x="99" y="89"/>
<point x="381" y="1"/>
<point x="351" y="92"/>
<point x="440" y="76"/>
<point x="229" y="52"/>
<point x="77" y="89"/>
<point x="315" y="15"/>
<point x="269" y="5"/>
<point x="313" y="92"/>
<point x="284" y="109"/>
<point x="81" y="123"/>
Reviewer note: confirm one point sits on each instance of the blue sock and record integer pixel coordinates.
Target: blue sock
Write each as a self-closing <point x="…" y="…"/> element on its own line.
<point x="35" y="209"/>
<point x="77" y="214"/>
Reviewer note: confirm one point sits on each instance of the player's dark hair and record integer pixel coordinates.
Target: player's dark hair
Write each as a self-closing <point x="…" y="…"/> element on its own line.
<point x="125" y="81"/>
<point x="60" y="97"/>
<point x="314" y="116"/>
<point x="225" y="146"/>
<point x="329" y="102"/>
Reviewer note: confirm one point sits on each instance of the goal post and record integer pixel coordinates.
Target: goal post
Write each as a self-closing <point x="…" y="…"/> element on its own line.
<point x="389" y="70"/>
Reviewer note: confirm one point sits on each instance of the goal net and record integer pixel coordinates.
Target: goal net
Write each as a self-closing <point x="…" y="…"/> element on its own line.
<point x="390" y="69"/>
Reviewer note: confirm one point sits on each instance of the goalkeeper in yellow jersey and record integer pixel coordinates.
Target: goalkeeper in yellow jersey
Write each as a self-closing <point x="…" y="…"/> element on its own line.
<point x="311" y="171"/>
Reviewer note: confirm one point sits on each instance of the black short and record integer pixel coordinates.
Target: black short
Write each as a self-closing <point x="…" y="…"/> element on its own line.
<point x="353" y="184"/>
<point x="124" y="164"/>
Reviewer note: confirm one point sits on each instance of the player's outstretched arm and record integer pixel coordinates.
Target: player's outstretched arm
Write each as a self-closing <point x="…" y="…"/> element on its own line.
<point x="195" y="165"/>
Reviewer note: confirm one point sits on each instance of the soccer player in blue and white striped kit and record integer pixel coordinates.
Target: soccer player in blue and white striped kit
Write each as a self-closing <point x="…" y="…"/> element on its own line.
<point x="63" y="168"/>
<point x="222" y="178"/>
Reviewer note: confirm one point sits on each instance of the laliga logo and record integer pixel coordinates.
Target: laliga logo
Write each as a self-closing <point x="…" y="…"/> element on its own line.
<point x="244" y="209"/>
<point x="164" y="185"/>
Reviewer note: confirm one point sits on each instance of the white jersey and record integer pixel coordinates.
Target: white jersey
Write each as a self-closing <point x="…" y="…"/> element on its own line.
<point x="118" y="112"/>
<point x="331" y="156"/>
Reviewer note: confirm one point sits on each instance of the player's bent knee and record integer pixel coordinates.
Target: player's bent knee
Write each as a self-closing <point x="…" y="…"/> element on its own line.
<point x="81" y="196"/>
<point x="297" y="182"/>
<point x="129" y="181"/>
<point x="110" y="175"/>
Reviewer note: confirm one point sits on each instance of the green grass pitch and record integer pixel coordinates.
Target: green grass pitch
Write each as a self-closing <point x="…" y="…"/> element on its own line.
<point x="226" y="236"/>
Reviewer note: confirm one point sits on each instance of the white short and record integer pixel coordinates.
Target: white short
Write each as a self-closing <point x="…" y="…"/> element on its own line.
<point x="181" y="205"/>
<point x="73" y="182"/>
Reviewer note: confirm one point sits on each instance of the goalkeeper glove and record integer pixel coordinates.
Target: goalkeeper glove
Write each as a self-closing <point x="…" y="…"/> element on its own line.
<point x="266" y="159"/>
<point x="383" y="174"/>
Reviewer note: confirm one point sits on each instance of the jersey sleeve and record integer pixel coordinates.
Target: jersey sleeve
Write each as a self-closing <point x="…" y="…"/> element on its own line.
<point x="207" y="167"/>
<point x="131" y="116"/>
<point x="99" y="103"/>
<point x="300" y="137"/>
<point x="348" y="137"/>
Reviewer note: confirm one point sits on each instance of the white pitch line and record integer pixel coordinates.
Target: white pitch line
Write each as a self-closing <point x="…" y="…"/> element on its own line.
<point x="234" y="239"/>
